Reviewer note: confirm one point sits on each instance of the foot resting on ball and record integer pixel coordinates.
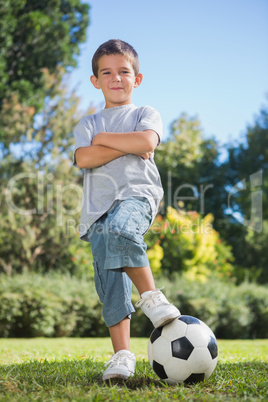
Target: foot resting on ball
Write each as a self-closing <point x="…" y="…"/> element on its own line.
<point x="155" y="305"/>
<point x="121" y="366"/>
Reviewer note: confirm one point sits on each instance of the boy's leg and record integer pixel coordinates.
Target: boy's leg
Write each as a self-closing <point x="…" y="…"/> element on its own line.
<point x="114" y="289"/>
<point x="142" y="278"/>
<point x="120" y="335"/>
<point x="153" y="303"/>
<point x="122" y="364"/>
<point x="128" y="226"/>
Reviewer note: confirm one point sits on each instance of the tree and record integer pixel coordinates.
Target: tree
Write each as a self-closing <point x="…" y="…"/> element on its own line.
<point x="37" y="35"/>
<point x="246" y="177"/>
<point x="190" y="170"/>
<point x="244" y="163"/>
<point x="39" y="43"/>
<point x="40" y="201"/>
<point x="194" y="179"/>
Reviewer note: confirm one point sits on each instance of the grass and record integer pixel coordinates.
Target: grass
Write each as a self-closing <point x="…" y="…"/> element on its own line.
<point x="69" y="369"/>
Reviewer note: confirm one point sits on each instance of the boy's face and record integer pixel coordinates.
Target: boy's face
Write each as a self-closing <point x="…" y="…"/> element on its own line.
<point x="116" y="79"/>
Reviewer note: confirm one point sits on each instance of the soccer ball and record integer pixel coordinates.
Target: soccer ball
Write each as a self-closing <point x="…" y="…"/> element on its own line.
<point x="185" y="350"/>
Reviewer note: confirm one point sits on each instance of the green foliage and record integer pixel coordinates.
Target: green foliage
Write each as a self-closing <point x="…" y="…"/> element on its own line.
<point x="190" y="170"/>
<point x="189" y="246"/>
<point x="37" y="35"/>
<point x="42" y="224"/>
<point x="155" y="255"/>
<point x="34" y="305"/>
<point x="248" y="158"/>
<point x="40" y="190"/>
<point x="256" y="259"/>
<point x="231" y="311"/>
<point x="256" y="299"/>
<point x="59" y="305"/>
<point x="192" y="175"/>
<point x="249" y="244"/>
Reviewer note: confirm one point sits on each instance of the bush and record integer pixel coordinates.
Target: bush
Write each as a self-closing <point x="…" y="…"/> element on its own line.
<point x="186" y="243"/>
<point x="50" y="305"/>
<point x="257" y="300"/>
<point x="232" y="312"/>
<point x="55" y="305"/>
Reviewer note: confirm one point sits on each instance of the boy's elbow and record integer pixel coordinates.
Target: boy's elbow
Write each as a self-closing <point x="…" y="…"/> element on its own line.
<point x="153" y="144"/>
<point x="79" y="164"/>
<point x="84" y="160"/>
<point x="152" y="141"/>
<point x="79" y="159"/>
<point x="83" y="163"/>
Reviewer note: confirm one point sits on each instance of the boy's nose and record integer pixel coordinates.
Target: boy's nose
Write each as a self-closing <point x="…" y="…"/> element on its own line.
<point x="117" y="77"/>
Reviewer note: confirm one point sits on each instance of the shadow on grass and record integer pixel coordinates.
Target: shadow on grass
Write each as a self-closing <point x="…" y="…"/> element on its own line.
<point x="135" y="383"/>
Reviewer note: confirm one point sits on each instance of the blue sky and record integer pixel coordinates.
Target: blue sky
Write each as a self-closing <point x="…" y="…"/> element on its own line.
<point x="208" y="58"/>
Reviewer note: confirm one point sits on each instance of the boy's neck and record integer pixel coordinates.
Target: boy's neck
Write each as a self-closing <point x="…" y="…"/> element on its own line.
<point x="119" y="106"/>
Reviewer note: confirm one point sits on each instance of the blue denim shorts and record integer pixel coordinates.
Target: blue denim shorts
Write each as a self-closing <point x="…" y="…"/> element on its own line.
<point x="117" y="241"/>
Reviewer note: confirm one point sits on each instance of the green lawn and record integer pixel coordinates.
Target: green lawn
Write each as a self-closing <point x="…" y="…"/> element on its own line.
<point x="69" y="369"/>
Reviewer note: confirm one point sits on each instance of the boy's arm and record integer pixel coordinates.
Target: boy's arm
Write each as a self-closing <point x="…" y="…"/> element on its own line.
<point x="95" y="155"/>
<point x="136" y="142"/>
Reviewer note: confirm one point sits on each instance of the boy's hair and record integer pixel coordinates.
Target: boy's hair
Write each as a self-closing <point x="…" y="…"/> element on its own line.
<point x="115" y="46"/>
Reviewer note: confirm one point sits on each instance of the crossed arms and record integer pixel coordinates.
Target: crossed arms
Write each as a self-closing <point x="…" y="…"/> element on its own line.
<point x="106" y="147"/>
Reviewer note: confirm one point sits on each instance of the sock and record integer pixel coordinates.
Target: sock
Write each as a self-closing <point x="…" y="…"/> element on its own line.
<point x="123" y="350"/>
<point x="145" y="294"/>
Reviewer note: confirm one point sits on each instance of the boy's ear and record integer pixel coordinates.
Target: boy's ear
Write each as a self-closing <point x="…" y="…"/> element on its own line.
<point x="138" y="80"/>
<point x="94" y="81"/>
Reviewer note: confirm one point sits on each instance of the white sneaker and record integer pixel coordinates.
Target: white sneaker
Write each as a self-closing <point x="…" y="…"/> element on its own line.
<point x="158" y="309"/>
<point x="121" y="365"/>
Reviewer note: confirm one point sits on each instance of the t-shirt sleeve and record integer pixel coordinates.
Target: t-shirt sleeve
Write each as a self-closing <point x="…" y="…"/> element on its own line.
<point x="150" y="119"/>
<point x="83" y="135"/>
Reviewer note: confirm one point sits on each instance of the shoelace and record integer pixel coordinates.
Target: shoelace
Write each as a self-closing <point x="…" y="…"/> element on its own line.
<point x="156" y="297"/>
<point x="118" y="359"/>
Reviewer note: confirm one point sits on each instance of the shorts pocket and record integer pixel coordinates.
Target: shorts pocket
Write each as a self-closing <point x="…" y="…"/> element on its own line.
<point x="129" y="222"/>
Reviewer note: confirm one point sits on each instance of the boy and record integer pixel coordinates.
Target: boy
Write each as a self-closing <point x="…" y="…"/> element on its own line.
<point x="121" y="195"/>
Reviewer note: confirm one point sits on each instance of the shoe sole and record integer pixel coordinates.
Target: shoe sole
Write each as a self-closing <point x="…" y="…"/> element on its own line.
<point x="116" y="377"/>
<point x="167" y="320"/>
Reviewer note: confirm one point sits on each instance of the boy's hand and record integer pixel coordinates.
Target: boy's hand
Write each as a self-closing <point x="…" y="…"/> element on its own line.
<point x="95" y="155"/>
<point x="145" y="156"/>
<point x="136" y="142"/>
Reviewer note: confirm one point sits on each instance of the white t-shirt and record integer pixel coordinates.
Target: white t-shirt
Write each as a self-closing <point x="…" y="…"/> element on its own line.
<point x="124" y="177"/>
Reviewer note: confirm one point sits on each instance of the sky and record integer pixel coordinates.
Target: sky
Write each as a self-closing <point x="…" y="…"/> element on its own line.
<point x="206" y="58"/>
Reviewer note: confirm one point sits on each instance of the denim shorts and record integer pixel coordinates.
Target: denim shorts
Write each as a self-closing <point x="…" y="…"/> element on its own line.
<point x="117" y="241"/>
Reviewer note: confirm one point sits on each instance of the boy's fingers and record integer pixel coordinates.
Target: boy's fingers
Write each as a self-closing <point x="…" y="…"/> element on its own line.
<point x="145" y="156"/>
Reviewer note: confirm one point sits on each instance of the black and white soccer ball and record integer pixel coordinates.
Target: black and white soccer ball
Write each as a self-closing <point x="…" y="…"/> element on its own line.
<point x="183" y="351"/>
